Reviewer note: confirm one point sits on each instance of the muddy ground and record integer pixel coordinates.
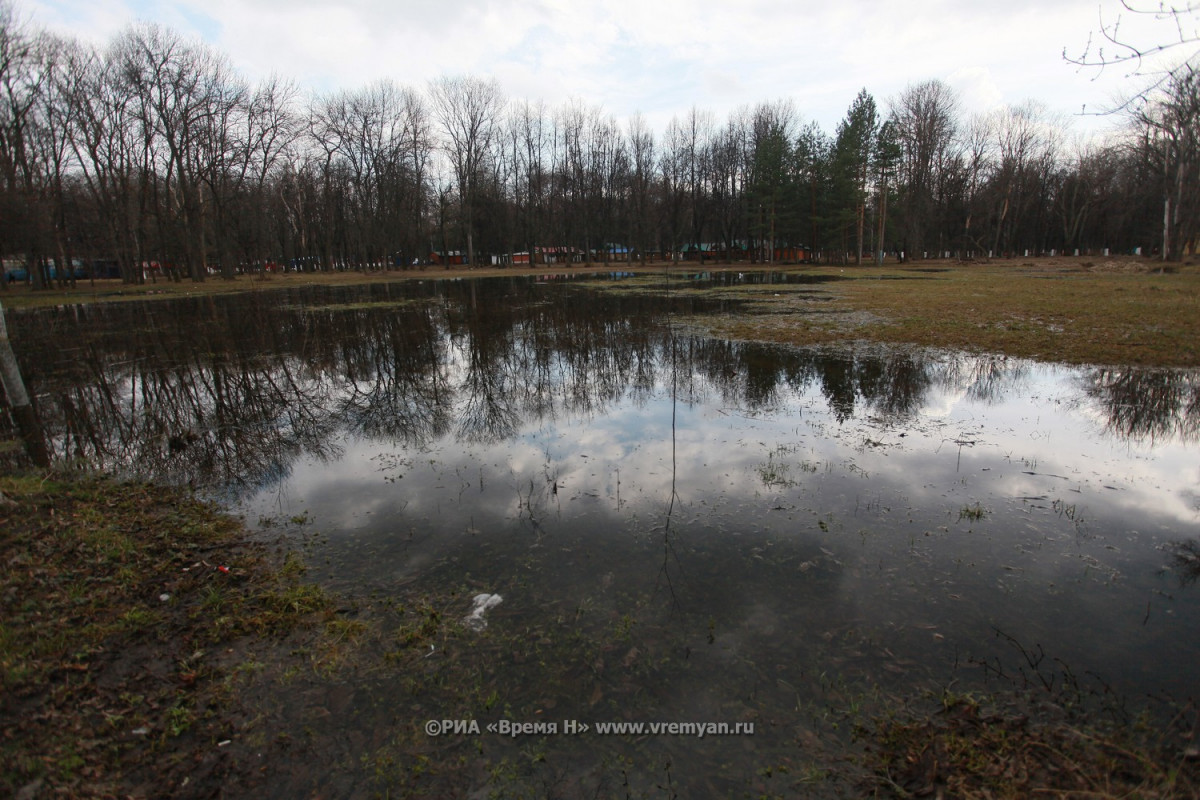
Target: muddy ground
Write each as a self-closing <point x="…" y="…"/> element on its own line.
<point x="149" y="649"/>
<point x="135" y="618"/>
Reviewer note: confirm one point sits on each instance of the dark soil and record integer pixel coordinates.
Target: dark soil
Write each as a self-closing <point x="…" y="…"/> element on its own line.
<point x="130" y="618"/>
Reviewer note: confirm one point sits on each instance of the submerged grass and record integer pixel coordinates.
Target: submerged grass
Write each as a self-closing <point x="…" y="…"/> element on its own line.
<point x="972" y="513"/>
<point x="127" y="653"/>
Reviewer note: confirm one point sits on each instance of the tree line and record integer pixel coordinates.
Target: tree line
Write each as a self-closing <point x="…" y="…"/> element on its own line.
<point x="152" y="155"/>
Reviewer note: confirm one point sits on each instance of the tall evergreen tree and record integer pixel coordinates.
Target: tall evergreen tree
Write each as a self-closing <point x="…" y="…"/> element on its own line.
<point x="852" y="158"/>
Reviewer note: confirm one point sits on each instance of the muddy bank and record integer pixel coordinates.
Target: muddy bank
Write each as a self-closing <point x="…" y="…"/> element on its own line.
<point x="151" y="650"/>
<point x="134" y="618"/>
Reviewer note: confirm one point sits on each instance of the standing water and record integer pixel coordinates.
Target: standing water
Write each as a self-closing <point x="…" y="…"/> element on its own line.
<point x="562" y="512"/>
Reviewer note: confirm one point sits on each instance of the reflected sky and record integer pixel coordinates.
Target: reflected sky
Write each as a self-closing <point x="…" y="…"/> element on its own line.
<point x="873" y="509"/>
<point x="776" y="518"/>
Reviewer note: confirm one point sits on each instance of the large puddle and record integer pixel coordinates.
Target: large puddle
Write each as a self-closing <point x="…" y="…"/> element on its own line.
<point x="680" y="529"/>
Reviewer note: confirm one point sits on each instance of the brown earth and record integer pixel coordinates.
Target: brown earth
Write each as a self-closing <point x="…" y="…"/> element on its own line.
<point x="133" y="619"/>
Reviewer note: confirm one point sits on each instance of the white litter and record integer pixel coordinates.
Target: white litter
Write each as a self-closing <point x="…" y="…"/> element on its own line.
<point x="481" y="605"/>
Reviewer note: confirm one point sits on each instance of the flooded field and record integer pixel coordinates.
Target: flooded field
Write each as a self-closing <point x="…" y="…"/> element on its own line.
<point x="668" y="528"/>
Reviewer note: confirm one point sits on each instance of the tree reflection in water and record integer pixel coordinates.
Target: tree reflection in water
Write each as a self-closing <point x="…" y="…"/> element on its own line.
<point x="1148" y="404"/>
<point x="227" y="392"/>
<point x="684" y="562"/>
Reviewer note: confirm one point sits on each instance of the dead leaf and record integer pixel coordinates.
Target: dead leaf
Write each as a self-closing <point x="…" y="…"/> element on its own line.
<point x="630" y="657"/>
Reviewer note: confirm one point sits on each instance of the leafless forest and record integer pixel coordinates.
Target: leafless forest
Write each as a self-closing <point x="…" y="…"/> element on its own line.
<point x="152" y="155"/>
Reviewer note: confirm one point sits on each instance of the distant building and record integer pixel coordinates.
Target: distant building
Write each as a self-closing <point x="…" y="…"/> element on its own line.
<point x="448" y="258"/>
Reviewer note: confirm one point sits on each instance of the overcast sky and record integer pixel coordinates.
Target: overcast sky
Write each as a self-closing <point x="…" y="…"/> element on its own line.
<point x="657" y="57"/>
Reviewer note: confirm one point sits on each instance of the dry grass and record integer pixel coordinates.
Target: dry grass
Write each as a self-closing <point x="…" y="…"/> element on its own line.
<point x="1077" y="310"/>
<point x="109" y="290"/>
<point x="121" y="608"/>
<point x="967" y="749"/>
<point x="1070" y="310"/>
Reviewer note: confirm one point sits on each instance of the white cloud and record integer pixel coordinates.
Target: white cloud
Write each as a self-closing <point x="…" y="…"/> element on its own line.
<point x="660" y="57"/>
<point x="976" y="87"/>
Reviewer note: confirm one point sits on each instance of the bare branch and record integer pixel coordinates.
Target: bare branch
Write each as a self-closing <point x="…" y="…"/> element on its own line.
<point x="1184" y="33"/>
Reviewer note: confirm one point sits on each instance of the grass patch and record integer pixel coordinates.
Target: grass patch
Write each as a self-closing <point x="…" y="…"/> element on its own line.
<point x="121" y="605"/>
<point x="972" y="513"/>
<point x="775" y="473"/>
<point x="113" y="290"/>
<point x="1074" y="310"/>
<point x="973" y="747"/>
<point x="1053" y="309"/>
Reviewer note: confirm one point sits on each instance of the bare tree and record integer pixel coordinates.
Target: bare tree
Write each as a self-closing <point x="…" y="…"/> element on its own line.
<point x="24" y="83"/>
<point x="925" y="119"/>
<point x="222" y="153"/>
<point x="616" y="191"/>
<point x="672" y="174"/>
<point x="1076" y="193"/>
<point x="374" y="146"/>
<point x="575" y="123"/>
<point x="417" y="149"/>
<point x="698" y="128"/>
<point x="468" y="109"/>
<point x="1170" y="125"/>
<point x="187" y="94"/>
<point x="978" y="149"/>
<point x="1113" y="45"/>
<point x="593" y="151"/>
<point x="531" y="141"/>
<point x="154" y="149"/>
<point x="245" y="139"/>
<point x="110" y="146"/>
<point x="729" y="176"/>
<point x="1026" y="142"/>
<point x="641" y="178"/>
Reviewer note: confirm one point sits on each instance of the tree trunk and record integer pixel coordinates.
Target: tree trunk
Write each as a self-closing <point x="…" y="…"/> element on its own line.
<point x="1166" y="238"/>
<point x="862" y="213"/>
<point x="18" y="398"/>
<point x="882" y="225"/>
